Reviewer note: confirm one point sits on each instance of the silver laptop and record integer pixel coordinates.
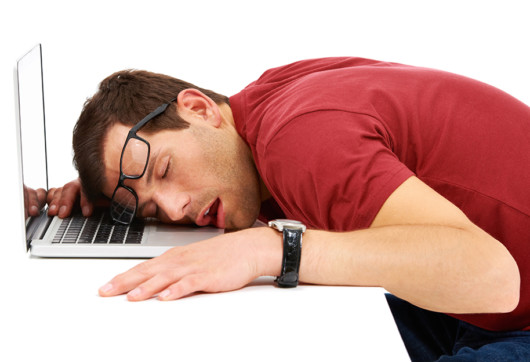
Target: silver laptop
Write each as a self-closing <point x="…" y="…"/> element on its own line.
<point x="77" y="236"/>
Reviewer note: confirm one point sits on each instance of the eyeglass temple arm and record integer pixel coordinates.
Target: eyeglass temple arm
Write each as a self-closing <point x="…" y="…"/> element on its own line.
<point x="161" y="109"/>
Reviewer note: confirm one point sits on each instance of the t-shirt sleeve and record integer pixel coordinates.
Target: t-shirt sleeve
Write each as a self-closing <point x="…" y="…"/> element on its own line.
<point x="332" y="169"/>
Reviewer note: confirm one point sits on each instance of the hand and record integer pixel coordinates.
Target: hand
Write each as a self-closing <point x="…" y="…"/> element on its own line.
<point x="33" y="201"/>
<point x="224" y="263"/>
<point x="61" y="200"/>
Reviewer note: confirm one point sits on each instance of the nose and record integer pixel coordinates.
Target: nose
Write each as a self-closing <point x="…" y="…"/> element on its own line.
<point x="173" y="204"/>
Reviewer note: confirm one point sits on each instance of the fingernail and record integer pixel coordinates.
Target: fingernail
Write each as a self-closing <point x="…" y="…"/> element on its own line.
<point x="86" y="210"/>
<point x="106" y="288"/>
<point x="164" y="294"/>
<point x="134" y="293"/>
<point x="34" y="210"/>
<point x="53" y="208"/>
<point x="62" y="210"/>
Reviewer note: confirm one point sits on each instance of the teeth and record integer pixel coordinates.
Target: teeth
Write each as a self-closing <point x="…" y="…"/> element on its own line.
<point x="207" y="212"/>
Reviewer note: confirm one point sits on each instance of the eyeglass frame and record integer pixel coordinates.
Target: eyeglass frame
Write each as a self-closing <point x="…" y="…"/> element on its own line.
<point x="132" y="134"/>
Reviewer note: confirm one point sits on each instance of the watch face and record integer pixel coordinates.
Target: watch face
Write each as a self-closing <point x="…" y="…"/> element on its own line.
<point x="280" y="224"/>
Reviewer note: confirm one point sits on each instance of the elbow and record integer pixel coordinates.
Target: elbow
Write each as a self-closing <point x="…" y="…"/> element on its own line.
<point x="507" y="289"/>
<point x="500" y="286"/>
<point x="512" y="303"/>
<point x="512" y="294"/>
<point x="508" y="302"/>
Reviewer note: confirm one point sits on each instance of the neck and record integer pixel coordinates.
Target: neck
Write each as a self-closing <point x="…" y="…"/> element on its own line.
<point x="226" y="113"/>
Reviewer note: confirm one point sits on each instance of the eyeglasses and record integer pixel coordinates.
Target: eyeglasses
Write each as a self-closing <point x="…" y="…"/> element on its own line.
<point x="133" y="163"/>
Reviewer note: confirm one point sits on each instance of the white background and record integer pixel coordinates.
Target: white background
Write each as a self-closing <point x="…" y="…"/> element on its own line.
<point x="224" y="45"/>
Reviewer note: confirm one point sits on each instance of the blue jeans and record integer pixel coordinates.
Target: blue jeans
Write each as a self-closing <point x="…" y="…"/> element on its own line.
<point x="430" y="336"/>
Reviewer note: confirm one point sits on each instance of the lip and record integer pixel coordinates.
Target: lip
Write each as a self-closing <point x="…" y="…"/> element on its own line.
<point x="220" y="216"/>
<point x="215" y="216"/>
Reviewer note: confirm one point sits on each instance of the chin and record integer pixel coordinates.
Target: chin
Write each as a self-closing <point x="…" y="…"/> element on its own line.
<point x="239" y="226"/>
<point x="243" y="222"/>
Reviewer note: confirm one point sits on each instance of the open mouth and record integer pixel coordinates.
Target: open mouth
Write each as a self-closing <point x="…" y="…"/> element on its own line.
<point x="212" y="210"/>
<point x="213" y="215"/>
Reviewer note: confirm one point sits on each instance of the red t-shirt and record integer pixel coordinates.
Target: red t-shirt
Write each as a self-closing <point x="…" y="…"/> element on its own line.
<point x="333" y="138"/>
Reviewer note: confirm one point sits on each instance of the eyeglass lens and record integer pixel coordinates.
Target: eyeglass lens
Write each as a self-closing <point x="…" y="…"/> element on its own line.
<point x="123" y="207"/>
<point x="134" y="159"/>
<point x="133" y="164"/>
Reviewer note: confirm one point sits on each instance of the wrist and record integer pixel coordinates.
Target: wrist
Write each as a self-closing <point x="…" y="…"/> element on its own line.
<point x="292" y="231"/>
<point x="269" y="251"/>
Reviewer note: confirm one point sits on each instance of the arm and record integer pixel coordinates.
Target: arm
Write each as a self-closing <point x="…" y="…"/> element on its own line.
<point x="423" y="249"/>
<point x="420" y="247"/>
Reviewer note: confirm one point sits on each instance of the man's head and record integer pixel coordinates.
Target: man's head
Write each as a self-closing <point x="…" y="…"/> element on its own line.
<point x="197" y="160"/>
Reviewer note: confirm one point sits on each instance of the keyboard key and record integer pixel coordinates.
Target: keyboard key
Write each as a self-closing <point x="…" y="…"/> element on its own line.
<point x="98" y="229"/>
<point x="73" y="230"/>
<point x="118" y="234"/>
<point x="60" y="231"/>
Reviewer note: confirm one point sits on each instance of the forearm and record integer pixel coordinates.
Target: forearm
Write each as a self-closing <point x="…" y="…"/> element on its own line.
<point x="435" y="267"/>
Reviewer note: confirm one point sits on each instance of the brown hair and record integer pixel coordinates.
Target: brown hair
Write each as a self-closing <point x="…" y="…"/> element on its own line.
<point x="126" y="97"/>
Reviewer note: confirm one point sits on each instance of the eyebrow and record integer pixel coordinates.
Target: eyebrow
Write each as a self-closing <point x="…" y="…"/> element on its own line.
<point x="150" y="166"/>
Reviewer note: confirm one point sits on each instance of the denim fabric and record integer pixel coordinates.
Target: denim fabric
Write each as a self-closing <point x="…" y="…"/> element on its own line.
<point x="431" y="336"/>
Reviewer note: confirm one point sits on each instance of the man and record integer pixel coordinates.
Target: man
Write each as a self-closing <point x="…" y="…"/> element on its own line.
<point x="406" y="178"/>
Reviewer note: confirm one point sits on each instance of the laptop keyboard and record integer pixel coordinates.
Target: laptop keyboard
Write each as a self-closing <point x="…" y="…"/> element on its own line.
<point x="98" y="229"/>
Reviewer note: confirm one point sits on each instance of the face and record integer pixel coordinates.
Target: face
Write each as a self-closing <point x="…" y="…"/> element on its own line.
<point x="203" y="175"/>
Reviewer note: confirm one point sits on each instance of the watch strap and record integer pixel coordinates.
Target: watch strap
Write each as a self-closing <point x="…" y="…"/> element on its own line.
<point x="292" y="252"/>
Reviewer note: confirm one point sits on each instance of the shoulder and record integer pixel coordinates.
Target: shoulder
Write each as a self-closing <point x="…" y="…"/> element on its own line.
<point x="306" y="67"/>
<point x="325" y="163"/>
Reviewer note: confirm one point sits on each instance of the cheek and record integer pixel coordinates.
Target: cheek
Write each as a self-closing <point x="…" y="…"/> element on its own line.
<point x="149" y="210"/>
<point x="187" y="176"/>
<point x="148" y="207"/>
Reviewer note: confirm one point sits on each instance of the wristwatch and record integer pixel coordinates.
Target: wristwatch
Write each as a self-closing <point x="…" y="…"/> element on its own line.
<point x="292" y="250"/>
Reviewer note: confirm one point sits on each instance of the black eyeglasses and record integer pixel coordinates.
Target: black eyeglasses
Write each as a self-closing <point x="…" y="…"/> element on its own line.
<point x="133" y="163"/>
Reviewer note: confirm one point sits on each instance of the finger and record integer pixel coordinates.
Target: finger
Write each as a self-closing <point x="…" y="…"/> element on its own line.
<point x="129" y="280"/>
<point x="53" y="198"/>
<point x="33" y="203"/>
<point x="86" y="206"/>
<point x="69" y="195"/>
<point x="152" y="286"/>
<point x="185" y="286"/>
<point x="49" y="196"/>
<point x="41" y="197"/>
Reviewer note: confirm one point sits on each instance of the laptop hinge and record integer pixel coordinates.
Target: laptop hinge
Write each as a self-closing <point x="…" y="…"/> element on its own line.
<point x="37" y="227"/>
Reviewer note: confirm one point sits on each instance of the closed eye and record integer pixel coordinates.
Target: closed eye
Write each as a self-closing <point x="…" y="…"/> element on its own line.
<point x="168" y="165"/>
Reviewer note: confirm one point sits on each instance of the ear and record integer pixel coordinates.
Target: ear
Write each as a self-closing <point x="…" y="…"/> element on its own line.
<point x="195" y="104"/>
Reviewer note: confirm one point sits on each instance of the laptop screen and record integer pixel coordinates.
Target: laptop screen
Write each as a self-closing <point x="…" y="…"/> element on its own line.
<point x="32" y="122"/>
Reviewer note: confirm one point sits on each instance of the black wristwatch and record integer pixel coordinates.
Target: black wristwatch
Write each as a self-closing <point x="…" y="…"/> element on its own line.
<point x="292" y="250"/>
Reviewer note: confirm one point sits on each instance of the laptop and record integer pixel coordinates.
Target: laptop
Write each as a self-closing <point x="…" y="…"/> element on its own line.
<point x="77" y="236"/>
